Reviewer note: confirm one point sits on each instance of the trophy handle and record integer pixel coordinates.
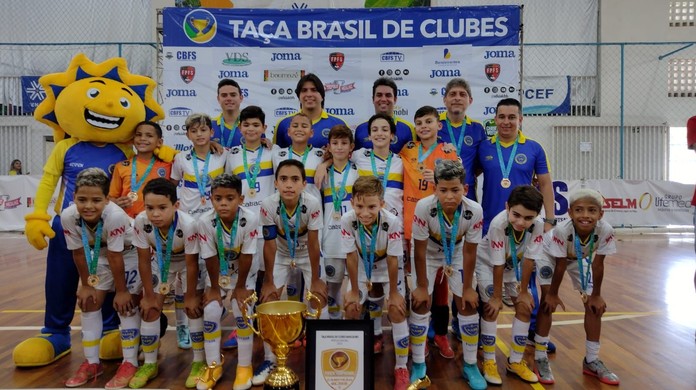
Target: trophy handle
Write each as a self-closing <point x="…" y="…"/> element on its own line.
<point x="249" y="319"/>
<point x="312" y="297"/>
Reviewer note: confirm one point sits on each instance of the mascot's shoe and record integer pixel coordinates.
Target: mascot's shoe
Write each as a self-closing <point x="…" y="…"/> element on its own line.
<point x="110" y="345"/>
<point x="41" y="350"/>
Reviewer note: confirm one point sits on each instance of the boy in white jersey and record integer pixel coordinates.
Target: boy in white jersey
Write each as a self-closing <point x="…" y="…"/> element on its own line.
<point x="506" y="259"/>
<point x="253" y="163"/>
<point x="372" y="243"/>
<point x="446" y="232"/>
<point x="337" y="189"/>
<point x="99" y="234"/>
<point x="291" y="220"/>
<point x="579" y="245"/>
<point x="172" y="235"/>
<point x="227" y="243"/>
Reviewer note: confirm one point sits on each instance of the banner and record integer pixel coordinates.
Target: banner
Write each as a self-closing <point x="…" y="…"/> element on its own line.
<point x="32" y="93"/>
<point x="17" y="200"/>
<point x="267" y="51"/>
<point x="546" y="95"/>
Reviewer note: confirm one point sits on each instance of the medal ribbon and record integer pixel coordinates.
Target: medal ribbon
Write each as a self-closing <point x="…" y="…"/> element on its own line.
<point x="461" y="138"/>
<point x="578" y="254"/>
<point x="336" y="191"/>
<point x="448" y="245"/>
<point x="513" y="250"/>
<point x="304" y="154"/>
<point x="222" y="254"/>
<point x="292" y="240"/>
<point x="368" y="258"/>
<point x="251" y="176"/>
<point x="421" y="156"/>
<point x="92" y="256"/>
<point x="201" y="182"/>
<point x="506" y="168"/>
<point x="165" y="260"/>
<point x="226" y="142"/>
<point x="136" y="186"/>
<point x="385" y="179"/>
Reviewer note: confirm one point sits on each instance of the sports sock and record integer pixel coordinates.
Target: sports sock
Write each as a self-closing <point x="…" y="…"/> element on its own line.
<point x="488" y="330"/>
<point x="212" y="312"/>
<point x="418" y="329"/>
<point x="520" y="332"/>
<point x="469" y="329"/>
<point x="91" y="334"/>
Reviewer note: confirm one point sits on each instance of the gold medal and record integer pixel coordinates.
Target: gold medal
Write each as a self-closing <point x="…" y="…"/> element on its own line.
<point x="369" y="285"/>
<point x="93" y="280"/>
<point x="584" y="297"/>
<point x="337" y="215"/>
<point x="448" y="270"/>
<point x="133" y="196"/>
<point x="293" y="264"/>
<point x="518" y="287"/>
<point x="251" y="192"/>
<point x="203" y="201"/>
<point x="224" y="281"/>
<point x="505" y="183"/>
<point x="421" y="167"/>
<point x="164" y="288"/>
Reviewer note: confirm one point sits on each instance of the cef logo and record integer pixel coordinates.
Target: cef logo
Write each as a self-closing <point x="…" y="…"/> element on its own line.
<point x="200" y="26"/>
<point x="187" y="73"/>
<point x="336" y="59"/>
<point x="492" y="71"/>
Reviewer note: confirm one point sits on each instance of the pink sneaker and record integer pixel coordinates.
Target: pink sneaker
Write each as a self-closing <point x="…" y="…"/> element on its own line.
<point x="442" y="343"/>
<point x="85" y="373"/>
<point x="401" y="379"/>
<point x="123" y="375"/>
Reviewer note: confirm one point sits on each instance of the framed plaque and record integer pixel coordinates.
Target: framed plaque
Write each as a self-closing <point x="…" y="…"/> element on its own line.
<point x="339" y="355"/>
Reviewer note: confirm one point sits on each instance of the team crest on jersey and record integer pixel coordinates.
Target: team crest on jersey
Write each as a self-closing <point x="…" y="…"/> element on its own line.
<point x="546" y="272"/>
<point x="188" y="156"/>
<point x="319" y="152"/>
<point x="468" y="215"/>
<point x="147" y="228"/>
<point x="394" y="211"/>
<point x="179" y="233"/>
<point x="385" y="226"/>
<point x="242" y="222"/>
<point x="161" y="172"/>
<point x="282" y="153"/>
<point x="366" y="153"/>
<point x="235" y="150"/>
<point x="325" y="132"/>
<point x="214" y="222"/>
<point x="433" y="212"/>
<point x="468" y="140"/>
<point x="330" y="270"/>
<point x="355" y="225"/>
<point x="125" y="163"/>
<point x="521" y="158"/>
<point x="410" y="145"/>
<point x="304" y="209"/>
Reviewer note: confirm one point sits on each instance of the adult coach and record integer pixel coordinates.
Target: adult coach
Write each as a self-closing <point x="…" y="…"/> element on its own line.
<point x="226" y="125"/>
<point x="310" y="91"/>
<point x="384" y="96"/>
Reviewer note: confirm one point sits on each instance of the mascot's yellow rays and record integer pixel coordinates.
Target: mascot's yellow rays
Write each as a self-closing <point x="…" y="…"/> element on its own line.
<point x="92" y="109"/>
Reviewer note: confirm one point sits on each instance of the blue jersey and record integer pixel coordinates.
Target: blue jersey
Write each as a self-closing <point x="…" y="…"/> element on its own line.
<point x="473" y="133"/>
<point x="405" y="133"/>
<point x="321" y="128"/>
<point x="530" y="159"/>
<point x="226" y="134"/>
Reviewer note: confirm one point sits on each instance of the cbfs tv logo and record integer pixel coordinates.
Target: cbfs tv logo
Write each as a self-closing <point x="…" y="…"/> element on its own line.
<point x="200" y="26"/>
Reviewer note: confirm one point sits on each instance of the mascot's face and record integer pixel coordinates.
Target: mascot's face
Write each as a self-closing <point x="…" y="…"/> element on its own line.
<point x="101" y="109"/>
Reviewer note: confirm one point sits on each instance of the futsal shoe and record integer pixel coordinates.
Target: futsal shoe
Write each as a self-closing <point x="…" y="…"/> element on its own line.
<point x="401" y="379"/>
<point x="522" y="371"/>
<point x="598" y="369"/>
<point x="196" y="371"/>
<point x="210" y="375"/>
<point x="419" y="379"/>
<point x="84" y="374"/>
<point x="442" y="343"/>
<point x="242" y="380"/>
<point x="473" y="376"/>
<point x="231" y="341"/>
<point x="41" y="350"/>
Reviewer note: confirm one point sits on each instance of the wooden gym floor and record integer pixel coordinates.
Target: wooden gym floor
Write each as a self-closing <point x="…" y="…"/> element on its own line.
<point x="647" y="334"/>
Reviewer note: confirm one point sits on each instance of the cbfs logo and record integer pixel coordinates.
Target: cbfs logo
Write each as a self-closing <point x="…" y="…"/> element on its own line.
<point x="492" y="71"/>
<point x="392" y="56"/>
<point x="336" y="59"/>
<point x="187" y="73"/>
<point x="200" y="26"/>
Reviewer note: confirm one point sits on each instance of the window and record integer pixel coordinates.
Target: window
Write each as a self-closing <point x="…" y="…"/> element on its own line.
<point x="681" y="13"/>
<point x="680" y="77"/>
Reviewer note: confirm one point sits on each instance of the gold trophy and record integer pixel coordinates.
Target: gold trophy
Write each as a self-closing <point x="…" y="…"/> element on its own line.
<point x="280" y="323"/>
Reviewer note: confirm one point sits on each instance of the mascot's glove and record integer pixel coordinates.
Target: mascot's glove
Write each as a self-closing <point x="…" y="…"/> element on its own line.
<point x="165" y="153"/>
<point x="37" y="229"/>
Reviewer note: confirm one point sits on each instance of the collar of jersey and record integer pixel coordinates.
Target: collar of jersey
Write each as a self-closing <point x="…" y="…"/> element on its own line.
<point x="378" y="222"/>
<point x="443" y="117"/>
<point x="521" y="140"/>
<point x="447" y="221"/>
<point x="323" y="115"/>
<point x="227" y="125"/>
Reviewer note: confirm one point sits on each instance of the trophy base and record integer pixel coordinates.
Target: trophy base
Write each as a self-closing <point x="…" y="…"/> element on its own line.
<point x="282" y="378"/>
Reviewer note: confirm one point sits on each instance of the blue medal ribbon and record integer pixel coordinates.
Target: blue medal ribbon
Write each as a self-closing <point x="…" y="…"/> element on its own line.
<point x="223" y="254"/>
<point x="461" y="138"/>
<point x="285" y="218"/>
<point x="136" y="186"/>
<point x="506" y="168"/>
<point x="368" y="258"/>
<point x="92" y="256"/>
<point x="201" y="181"/>
<point x="165" y="259"/>
<point x="578" y="254"/>
<point x="251" y="174"/>
<point x="227" y="142"/>
<point x="422" y="156"/>
<point x="338" y="193"/>
<point x="448" y="245"/>
<point x="513" y="250"/>
<point x="385" y="178"/>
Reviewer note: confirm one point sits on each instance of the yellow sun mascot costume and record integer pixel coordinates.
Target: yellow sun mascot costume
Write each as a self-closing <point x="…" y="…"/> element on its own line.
<point x="97" y="106"/>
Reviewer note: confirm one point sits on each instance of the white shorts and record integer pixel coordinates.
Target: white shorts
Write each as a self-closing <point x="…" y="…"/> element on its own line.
<point x="334" y="269"/>
<point x="546" y="267"/>
<point x="282" y="271"/>
<point x="455" y="281"/>
<point x="130" y="264"/>
<point x="484" y="279"/>
<point x="178" y="269"/>
<point x="233" y="272"/>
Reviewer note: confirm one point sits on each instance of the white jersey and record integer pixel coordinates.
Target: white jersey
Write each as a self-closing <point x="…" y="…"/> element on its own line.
<point x="310" y="219"/>
<point x="116" y="235"/>
<point x="389" y="241"/>
<point x="331" y="237"/>
<point x="185" y="235"/>
<point x="314" y="157"/>
<point x="496" y="250"/>
<point x="264" y="185"/>
<point x="426" y="226"/>
<point x="561" y="241"/>
<point x="244" y="241"/>
<point x="183" y="172"/>
<point x="394" y="191"/>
